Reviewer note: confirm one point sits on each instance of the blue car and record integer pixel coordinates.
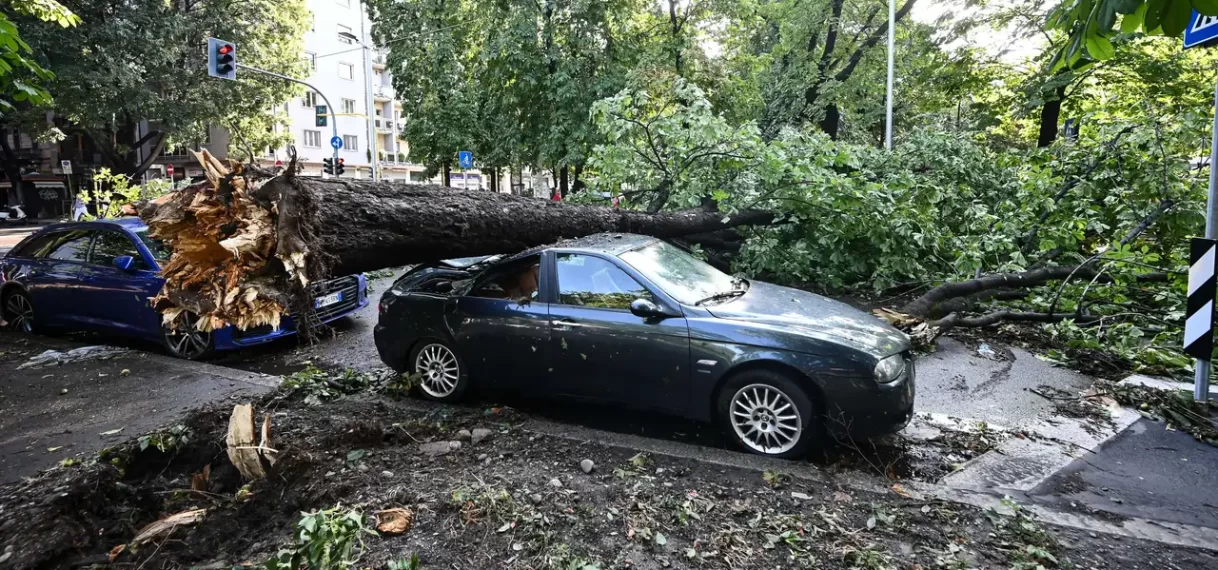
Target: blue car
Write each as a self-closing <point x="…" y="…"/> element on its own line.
<point x="100" y="275"/>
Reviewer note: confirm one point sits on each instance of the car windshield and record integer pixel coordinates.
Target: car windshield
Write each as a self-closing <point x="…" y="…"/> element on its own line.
<point x="155" y="246"/>
<point x="683" y="276"/>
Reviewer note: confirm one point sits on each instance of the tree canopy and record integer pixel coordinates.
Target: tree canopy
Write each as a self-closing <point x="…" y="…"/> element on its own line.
<point x="128" y="62"/>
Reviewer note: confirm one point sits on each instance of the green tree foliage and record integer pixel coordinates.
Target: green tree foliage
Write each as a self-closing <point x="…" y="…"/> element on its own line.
<point x="131" y="61"/>
<point x="511" y="80"/>
<point x="1093" y="25"/>
<point x="21" y="78"/>
<point x="942" y="207"/>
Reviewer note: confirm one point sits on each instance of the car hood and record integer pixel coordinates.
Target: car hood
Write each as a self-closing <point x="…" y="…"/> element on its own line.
<point x="801" y="312"/>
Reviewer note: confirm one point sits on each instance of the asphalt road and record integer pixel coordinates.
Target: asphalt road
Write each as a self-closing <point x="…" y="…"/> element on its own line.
<point x="1145" y="471"/>
<point x="54" y="412"/>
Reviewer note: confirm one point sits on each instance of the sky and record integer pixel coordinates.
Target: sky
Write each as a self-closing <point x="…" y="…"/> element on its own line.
<point x="999" y="43"/>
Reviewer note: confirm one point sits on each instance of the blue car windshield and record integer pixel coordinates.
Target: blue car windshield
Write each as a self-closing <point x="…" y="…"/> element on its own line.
<point x="155" y="246"/>
<point x="683" y="276"/>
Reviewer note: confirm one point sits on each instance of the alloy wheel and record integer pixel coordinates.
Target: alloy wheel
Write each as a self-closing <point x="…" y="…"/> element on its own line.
<point x="185" y="339"/>
<point x="766" y="419"/>
<point x="20" y="312"/>
<point x="439" y="368"/>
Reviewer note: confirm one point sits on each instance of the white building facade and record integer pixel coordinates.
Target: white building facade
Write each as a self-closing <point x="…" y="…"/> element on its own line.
<point x="339" y="69"/>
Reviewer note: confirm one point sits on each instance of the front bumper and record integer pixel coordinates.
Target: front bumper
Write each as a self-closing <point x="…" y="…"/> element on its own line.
<point x="866" y="408"/>
<point x="230" y="338"/>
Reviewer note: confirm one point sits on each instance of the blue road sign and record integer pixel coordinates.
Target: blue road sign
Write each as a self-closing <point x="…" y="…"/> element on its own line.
<point x="1200" y="29"/>
<point x="336" y="142"/>
<point x="465" y="159"/>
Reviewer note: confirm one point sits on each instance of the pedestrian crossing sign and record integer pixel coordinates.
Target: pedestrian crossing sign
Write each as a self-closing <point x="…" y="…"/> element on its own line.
<point x="1201" y="29"/>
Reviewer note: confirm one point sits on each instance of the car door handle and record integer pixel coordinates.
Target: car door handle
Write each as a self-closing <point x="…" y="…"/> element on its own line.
<point x="565" y="324"/>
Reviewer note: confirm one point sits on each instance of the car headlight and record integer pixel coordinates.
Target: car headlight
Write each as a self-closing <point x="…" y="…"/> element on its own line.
<point x="890" y="369"/>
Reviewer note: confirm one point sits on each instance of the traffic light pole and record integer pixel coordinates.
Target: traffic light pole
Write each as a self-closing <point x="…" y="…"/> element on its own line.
<point x="333" y="115"/>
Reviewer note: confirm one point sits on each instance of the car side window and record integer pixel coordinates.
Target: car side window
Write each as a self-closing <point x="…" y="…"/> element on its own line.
<point x="589" y="281"/>
<point x="517" y="280"/>
<point x="110" y="245"/>
<point x="71" y="246"/>
<point x="39" y="246"/>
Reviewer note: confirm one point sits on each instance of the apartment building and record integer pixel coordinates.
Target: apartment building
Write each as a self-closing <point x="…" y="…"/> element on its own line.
<point x="359" y="87"/>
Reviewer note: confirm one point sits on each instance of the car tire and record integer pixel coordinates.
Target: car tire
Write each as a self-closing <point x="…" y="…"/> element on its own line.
<point x="185" y="341"/>
<point x="441" y="374"/>
<point x="19" y="311"/>
<point x="767" y="413"/>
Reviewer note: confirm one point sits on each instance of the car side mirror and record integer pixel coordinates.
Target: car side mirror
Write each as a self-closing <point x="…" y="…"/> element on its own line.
<point x="443" y="287"/>
<point x="647" y="309"/>
<point x="124" y="262"/>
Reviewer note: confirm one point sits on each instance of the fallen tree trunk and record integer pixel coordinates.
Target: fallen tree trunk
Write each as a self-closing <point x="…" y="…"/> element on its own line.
<point x="247" y="245"/>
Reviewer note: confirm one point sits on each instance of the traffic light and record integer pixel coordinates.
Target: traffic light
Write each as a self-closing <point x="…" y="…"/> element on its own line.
<point x="339" y="167"/>
<point x="321" y="115"/>
<point x="327" y="165"/>
<point x="221" y="59"/>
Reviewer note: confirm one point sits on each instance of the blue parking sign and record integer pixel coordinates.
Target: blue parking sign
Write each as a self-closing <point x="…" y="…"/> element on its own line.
<point x="465" y="159"/>
<point x="1200" y="29"/>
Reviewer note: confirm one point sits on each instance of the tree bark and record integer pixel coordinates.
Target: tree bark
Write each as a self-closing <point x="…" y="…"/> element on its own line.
<point x="448" y="175"/>
<point x="1050" y="115"/>
<point x="562" y="181"/>
<point x="246" y="250"/>
<point x="10" y="163"/>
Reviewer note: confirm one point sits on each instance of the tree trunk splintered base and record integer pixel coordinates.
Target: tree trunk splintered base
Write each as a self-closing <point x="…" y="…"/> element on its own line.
<point x="247" y="244"/>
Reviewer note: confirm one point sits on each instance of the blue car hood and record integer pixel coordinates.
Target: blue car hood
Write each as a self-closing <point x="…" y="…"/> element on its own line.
<point x="801" y="312"/>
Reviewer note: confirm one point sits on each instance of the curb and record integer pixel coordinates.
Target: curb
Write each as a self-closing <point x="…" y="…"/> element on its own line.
<point x="987" y="498"/>
<point x="213" y="370"/>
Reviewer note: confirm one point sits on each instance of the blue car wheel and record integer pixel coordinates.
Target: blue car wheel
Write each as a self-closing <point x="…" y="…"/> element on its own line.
<point x="19" y="311"/>
<point x="184" y="339"/>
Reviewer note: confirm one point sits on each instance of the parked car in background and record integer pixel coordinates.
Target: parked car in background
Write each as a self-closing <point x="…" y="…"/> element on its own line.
<point x="634" y="321"/>
<point x="100" y="276"/>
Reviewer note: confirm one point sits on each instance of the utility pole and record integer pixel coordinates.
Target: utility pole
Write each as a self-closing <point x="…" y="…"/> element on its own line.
<point x="892" y="35"/>
<point x="365" y="40"/>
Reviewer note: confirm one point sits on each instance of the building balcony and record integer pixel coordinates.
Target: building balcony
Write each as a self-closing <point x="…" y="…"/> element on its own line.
<point x="382" y="93"/>
<point x="378" y="60"/>
<point x="385" y="127"/>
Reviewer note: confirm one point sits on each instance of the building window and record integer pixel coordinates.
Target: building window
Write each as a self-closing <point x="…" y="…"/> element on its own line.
<point x="311" y="58"/>
<point x="345" y="35"/>
<point x="312" y="139"/>
<point x="349" y="106"/>
<point x="346" y="71"/>
<point x="309" y="100"/>
<point x="351" y="142"/>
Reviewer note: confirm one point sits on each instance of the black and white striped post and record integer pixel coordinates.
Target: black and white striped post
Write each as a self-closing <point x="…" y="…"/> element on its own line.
<point x="1199" y="320"/>
<point x="1199" y="323"/>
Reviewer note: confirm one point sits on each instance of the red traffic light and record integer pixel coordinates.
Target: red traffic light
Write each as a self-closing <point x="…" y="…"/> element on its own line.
<point x="225" y="49"/>
<point x="342" y="161"/>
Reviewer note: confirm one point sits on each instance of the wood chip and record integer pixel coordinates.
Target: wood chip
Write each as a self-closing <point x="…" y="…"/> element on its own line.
<point x="167" y="525"/>
<point x="394" y="521"/>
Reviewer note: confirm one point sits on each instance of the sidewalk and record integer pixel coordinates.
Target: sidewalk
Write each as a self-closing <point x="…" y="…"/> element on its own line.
<point x="53" y="412"/>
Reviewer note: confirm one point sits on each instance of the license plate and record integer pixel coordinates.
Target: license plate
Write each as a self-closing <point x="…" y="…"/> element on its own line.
<point x="327" y="300"/>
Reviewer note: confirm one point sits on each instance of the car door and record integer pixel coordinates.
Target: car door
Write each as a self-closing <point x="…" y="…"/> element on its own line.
<point x="120" y="298"/>
<point x="54" y="278"/>
<point x="501" y="326"/>
<point x="602" y="351"/>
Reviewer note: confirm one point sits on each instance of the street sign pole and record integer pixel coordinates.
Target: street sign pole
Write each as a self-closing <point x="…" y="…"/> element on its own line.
<point x="1203" y="31"/>
<point x="892" y="35"/>
<point x="1201" y="384"/>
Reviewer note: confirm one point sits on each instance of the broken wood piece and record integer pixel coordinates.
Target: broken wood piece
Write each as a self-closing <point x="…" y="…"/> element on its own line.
<point x="199" y="481"/>
<point x="247" y="456"/>
<point x="166" y="525"/>
<point x="394" y="521"/>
